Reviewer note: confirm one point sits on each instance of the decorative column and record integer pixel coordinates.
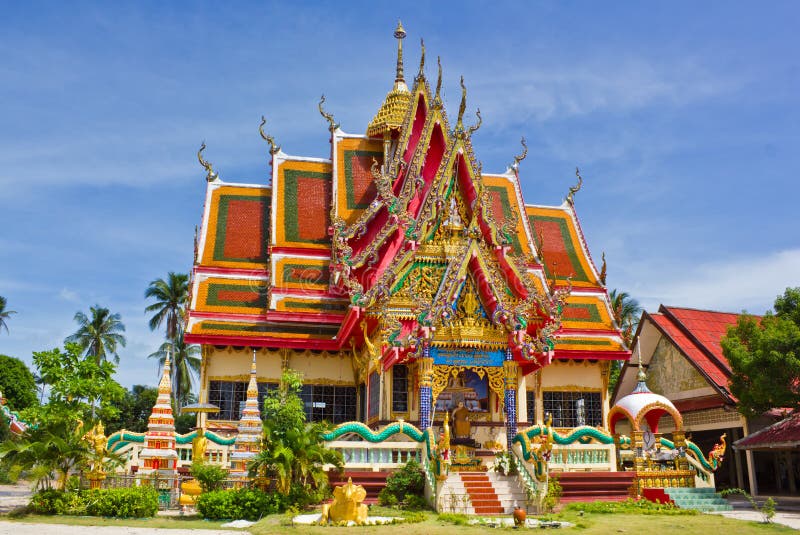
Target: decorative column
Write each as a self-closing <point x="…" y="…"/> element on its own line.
<point x="425" y="386"/>
<point x="159" y="455"/>
<point x="510" y="371"/>
<point x="248" y="441"/>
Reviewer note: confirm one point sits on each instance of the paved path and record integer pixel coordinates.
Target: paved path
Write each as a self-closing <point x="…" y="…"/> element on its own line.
<point x="21" y="528"/>
<point x="791" y="520"/>
<point x="12" y="496"/>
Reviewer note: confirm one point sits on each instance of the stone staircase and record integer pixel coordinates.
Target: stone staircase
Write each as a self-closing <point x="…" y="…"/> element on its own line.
<point x="480" y="493"/>
<point x="592" y="486"/>
<point x="701" y="499"/>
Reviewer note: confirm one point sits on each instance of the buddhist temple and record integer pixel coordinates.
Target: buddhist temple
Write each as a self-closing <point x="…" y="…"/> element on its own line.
<point x="401" y="279"/>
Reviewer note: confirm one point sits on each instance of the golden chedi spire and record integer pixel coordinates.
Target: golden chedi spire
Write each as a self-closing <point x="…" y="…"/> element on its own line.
<point x="392" y="112"/>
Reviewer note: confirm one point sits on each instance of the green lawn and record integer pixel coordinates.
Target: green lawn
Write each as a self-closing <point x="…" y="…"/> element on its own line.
<point x="653" y="524"/>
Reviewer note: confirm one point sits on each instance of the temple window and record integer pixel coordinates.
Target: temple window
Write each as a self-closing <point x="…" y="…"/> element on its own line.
<point x="374" y="395"/>
<point x="573" y="409"/>
<point x="336" y="404"/>
<point x="530" y="402"/>
<point x="230" y="397"/>
<point x="400" y="388"/>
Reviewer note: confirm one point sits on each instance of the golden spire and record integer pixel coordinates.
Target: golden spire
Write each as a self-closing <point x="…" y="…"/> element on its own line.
<point x="421" y="58"/>
<point x="462" y="107"/>
<point x="437" y="99"/>
<point x="392" y="112"/>
<point x="576" y="188"/>
<point x="399" y="34"/>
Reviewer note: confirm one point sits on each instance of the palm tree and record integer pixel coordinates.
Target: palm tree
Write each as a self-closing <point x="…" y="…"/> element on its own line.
<point x="185" y="361"/>
<point x="626" y="313"/>
<point x="99" y="336"/>
<point x="170" y="296"/>
<point x="5" y="315"/>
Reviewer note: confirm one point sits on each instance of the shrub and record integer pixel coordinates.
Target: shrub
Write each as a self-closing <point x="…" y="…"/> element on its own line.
<point x="131" y="502"/>
<point x="406" y="484"/>
<point x="454" y="518"/>
<point x="553" y="495"/>
<point x="136" y="502"/>
<point x="247" y="504"/>
<point x="210" y="476"/>
<point x="642" y="507"/>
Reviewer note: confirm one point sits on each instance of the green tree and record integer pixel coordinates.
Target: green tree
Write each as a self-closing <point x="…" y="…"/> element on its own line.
<point x="765" y="357"/>
<point x="17" y="383"/>
<point x="626" y="311"/>
<point x="134" y="410"/>
<point x="99" y="336"/>
<point x="185" y="360"/>
<point x="170" y="299"/>
<point x="52" y="447"/>
<point x="292" y="451"/>
<point x="78" y="385"/>
<point x="5" y="315"/>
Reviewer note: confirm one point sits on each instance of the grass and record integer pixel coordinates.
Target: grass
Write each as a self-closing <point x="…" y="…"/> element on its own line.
<point x="587" y="524"/>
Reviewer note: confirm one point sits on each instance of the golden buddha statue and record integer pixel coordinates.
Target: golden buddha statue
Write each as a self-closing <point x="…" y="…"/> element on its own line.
<point x="199" y="445"/>
<point x="461" y="425"/>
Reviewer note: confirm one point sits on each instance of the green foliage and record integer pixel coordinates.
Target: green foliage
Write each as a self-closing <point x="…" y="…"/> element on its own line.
<point x="17" y="383"/>
<point x="210" y="476"/>
<point x="453" y="518"/>
<point x="51" y="447"/>
<point x="767" y="510"/>
<point x="292" y="450"/>
<point x="134" y="410"/>
<point x="99" y="334"/>
<point x="245" y="504"/>
<point x="5" y="314"/>
<point x="170" y="299"/>
<point x="185" y="363"/>
<point x="629" y="506"/>
<point x="77" y="384"/>
<point x="553" y="495"/>
<point x="765" y="357"/>
<point x="626" y="313"/>
<point x="406" y="486"/>
<point x="132" y="502"/>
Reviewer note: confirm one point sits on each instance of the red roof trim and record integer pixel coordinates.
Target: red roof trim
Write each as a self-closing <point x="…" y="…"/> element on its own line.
<point x="575" y="354"/>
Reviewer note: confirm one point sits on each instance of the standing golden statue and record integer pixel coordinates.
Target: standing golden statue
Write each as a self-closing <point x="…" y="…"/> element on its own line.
<point x="98" y="443"/>
<point x="199" y="446"/>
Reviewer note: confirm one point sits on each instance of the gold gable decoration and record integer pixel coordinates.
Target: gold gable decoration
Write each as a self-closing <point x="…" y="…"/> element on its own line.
<point x="392" y="112"/>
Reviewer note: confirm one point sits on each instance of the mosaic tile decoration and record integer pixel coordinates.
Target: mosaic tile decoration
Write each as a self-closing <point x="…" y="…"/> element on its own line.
<point x="304" y="205"/>
<point x="561" y="249"/>
<point x="238" y="228"/>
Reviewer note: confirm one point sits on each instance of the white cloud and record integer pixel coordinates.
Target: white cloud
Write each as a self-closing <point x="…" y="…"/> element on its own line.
<point x="69" y="295"/>
<point x="734" y="285"/>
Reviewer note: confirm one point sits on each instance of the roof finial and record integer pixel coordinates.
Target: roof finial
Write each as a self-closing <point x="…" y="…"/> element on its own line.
<point x="522" y="156"/>
<point x="332" y="124"/>
<point x="273" y="147"/>
<point x="211" y="176"/>
<point x="253" y="365"/>
<point x="603" y="270"/>
<point x="399" y="34"/>
<point x="462" y="107"/>
<point x="576" y="188"/>
<point x="437" y="99"/>
<point x="472" y="129"/>
<point x="421" y="58"/>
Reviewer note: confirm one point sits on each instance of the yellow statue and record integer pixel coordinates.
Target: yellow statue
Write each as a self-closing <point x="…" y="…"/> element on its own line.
<point x="461" y="424"/>
<point x="199" y="445"/>
<point x="346" y="505"/>
<point x="717" y="453"/>
<point x="97" y="441"/>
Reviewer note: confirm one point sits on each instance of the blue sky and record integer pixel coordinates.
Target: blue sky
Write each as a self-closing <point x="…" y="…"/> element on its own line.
<point x="683" y="117"/>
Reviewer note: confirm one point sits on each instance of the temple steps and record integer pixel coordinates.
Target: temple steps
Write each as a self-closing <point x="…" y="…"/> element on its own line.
<point x="700" y="499"/>
<point x="591" y="486"/>
<point x="480" y="493"/>
<point x="373" y="482"/>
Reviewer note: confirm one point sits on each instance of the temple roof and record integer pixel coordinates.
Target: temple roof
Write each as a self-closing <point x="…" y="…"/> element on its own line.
<point x="263" y="272"/>
<point x="784" y="434"/>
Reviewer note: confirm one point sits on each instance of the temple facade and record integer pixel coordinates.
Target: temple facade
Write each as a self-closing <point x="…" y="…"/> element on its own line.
<point x="402" y="280"/>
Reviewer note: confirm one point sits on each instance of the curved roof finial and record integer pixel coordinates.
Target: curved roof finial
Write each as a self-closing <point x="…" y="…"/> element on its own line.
<point x="462" y="107"/>
<point x="332" y="124"/>
<point x="576" y="188"/>
<point x="421" y="72"/>
<point x="521" y="156"/>
<point x="210" y="174"/>
<point x="399" y="34"/>
<point x="603" y="270"/>
<point x="472" y="129"/>
<point x="273" y="147"/>
<point x="437" y="99"/>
